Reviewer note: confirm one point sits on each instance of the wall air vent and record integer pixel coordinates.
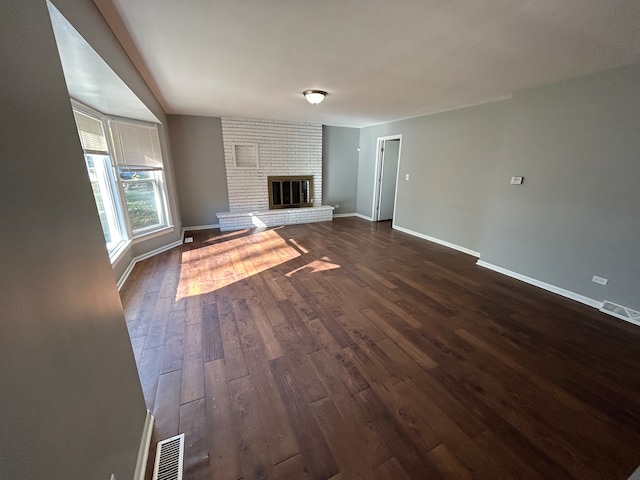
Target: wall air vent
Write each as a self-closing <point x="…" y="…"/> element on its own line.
<point x="621" y="312"/>
<point x="245" y="155"/>
<point x="169" y="459"/>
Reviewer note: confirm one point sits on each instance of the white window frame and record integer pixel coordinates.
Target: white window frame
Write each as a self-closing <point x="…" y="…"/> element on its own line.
<point x="162" y="203"/>
<point x="113" y="192"/>
<point x="117" y="184"/>
<point x="114" y="215"/>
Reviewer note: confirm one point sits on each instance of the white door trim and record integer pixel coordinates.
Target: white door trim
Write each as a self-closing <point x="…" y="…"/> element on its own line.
<point x="375" y="210"/>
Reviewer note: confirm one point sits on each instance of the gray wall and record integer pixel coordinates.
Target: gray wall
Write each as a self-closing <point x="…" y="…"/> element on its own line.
<point x="70" y="398"/>
<point x="577" y="214"/>
<point x="450" y="158"/>
<point x="340" y="167"/>
<point x="198" y="157"/>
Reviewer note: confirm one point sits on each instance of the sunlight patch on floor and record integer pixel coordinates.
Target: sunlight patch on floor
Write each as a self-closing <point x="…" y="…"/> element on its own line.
<point x="298" y="246"/>
<point x="214" y="266"/>
<point x="316" y="266"/>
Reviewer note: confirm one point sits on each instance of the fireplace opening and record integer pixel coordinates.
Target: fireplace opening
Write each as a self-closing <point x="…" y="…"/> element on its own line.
<point x="290" y="192"/>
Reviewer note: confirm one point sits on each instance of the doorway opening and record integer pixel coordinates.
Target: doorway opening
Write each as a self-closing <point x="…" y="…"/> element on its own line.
<point x="386" y="178"/>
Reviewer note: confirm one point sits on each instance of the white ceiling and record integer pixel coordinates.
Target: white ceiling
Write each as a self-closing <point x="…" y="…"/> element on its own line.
<point x="89" y="79"/>
<point x="380" y="60"/>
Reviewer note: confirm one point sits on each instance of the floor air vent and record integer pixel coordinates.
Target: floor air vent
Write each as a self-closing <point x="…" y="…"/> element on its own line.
<point x="169" y="459"/>
<point x="621" y="312"/>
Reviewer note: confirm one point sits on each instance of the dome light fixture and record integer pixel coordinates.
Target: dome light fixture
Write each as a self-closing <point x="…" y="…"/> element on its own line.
<point x="314" y="97"/>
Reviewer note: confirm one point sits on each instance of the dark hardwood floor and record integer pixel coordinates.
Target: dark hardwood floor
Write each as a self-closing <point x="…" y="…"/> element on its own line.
<point x="347" y="350"/>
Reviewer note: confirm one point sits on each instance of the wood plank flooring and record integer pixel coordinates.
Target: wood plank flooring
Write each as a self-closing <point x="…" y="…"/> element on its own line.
<point x="346" y="350"/>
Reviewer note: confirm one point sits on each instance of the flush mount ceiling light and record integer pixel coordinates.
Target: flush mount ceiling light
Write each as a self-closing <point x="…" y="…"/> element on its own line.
<point x="314" y="97"/>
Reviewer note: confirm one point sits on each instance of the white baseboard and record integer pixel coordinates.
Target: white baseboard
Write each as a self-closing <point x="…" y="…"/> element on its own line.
<point x="341" y="215"/>
<point x="144" y="256"/>
<point x="545" y="286"/>
<point x="158" y="250"/>
<point x="200" y="227"/>
<point x="438" y="241"/>
<point x="364" y="217"/>
<point x="143" y="451"/>
<point x="125" y="275"/>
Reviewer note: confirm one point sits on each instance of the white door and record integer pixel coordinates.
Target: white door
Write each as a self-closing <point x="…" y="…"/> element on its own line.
<point x="389" y="176"/>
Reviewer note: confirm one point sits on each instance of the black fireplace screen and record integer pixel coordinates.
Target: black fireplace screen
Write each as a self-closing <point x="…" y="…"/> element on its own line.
<point x="290" y="192"/>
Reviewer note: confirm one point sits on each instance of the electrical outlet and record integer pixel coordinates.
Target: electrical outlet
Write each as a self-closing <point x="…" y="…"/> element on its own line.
<point x="337" y="205"/>
<point x="188" y="239"/>
<point x="517" y="180"/>
<point x="600" y="280"/>
<point x="406" y="177"/>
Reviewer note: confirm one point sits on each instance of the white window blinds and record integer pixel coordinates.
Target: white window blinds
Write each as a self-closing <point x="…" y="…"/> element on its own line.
<point x="136" y="145"/>
<point x="91" y="133"/>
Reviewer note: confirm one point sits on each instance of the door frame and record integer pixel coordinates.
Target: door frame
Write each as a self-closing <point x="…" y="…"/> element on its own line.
<point x="377" y="178"/>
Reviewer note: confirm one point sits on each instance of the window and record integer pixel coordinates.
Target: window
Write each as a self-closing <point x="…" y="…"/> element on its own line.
<point x="143" y="197"/>
<point x="136" y="148"/>
<point x="98" y="167"/>
<point x="96" y="154"/>
<point x="126" y="175"/>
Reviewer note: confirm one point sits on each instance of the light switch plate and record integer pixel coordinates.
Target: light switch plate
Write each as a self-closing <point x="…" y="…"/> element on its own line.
<point x="517" y="180"/>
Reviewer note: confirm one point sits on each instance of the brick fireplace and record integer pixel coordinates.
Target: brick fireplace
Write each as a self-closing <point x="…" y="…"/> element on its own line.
<point x="255" y="150"/>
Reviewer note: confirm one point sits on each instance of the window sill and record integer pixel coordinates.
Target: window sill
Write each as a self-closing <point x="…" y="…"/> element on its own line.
<point x="153" y="234"/>
<point x="118" y="252"/>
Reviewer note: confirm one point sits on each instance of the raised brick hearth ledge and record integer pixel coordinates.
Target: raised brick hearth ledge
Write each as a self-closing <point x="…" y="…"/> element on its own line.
<point x="273" y="218"/>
